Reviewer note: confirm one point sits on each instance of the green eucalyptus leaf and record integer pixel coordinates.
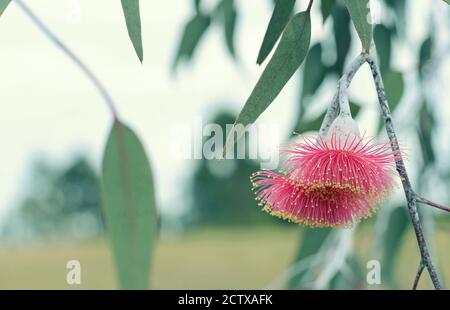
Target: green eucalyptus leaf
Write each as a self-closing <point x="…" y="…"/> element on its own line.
<point x="447" y="1"/>
<point x="192" y="34"/>
<point x="133" y="21"/>
<point x="326" y="6"/>
<point x="129" y="206"/>
<point x="280" y="17"/>
<point x="287" y="58"/>
<point x="360" y="13"/>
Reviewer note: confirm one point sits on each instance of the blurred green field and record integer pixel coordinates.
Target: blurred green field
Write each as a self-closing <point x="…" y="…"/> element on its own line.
<point x="205" y="259"/>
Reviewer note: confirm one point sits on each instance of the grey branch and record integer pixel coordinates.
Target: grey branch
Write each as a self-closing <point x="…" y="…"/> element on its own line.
<point x="418" y="274"/>
<point x="411" y="197"/>
<point x="345" y="80"/>
<point x="431" y="203"/>
<point x="52" y="37"/>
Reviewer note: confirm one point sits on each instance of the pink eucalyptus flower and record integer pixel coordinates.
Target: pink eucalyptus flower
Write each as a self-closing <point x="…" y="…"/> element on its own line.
<point x="326" y="182"/>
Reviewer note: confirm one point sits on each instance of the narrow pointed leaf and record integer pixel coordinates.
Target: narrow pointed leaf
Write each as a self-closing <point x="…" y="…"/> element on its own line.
<point x="360" y="13"/>
<point x="3" y="5"/>
<point x="280" y="17"/>
<point x="133" y="21"/>
<point x="288" y="57"/>
<point x="129" y="206"/>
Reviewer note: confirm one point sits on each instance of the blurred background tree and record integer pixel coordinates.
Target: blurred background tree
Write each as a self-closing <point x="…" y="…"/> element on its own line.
<point x="59" y="202"/>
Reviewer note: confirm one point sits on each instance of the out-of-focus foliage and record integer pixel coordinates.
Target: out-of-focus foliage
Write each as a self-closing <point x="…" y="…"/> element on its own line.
<point x="220" y="189"/>
<point x="226" y="12"/>
<point x="59" y="201"/>
<point x="129" y="205"/>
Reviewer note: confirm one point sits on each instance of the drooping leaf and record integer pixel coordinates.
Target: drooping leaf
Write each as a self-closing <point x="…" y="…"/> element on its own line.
<point x="193" y="32"/>
<point x="425" y="55"/>
<point x="280" y="17"/>
<point x="326" y="6"/>
<point x="391" y="241"/>
<point x="228" y="13"/>
<point x="342" y="37"/>
<point x="360" y="13"/>
<point x="129" y="206"/>
<point x="382" y="38"/>
<point x="287" y="58"/>
<point x="312" y="240"/>
<point x="133" y="21"/>
<point x="426" y="127"/>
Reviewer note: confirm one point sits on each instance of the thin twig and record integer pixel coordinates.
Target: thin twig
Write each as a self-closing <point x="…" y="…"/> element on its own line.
<point x="50" y="35"/>
<point x="431" y="203"/>
<point x="419" y="273"/>
<point x="309" y="5"/>
<point x="333" y="108"/>
<point x="400" y="166"/>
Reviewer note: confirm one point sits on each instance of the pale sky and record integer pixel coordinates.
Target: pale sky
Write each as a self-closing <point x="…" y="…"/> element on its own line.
<point x="49" y="107"/>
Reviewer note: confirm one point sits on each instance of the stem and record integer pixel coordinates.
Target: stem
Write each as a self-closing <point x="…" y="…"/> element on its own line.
<point x="309" y="5"/>
<point x="344" y="105"/>
<point x="400" y="166"/>
<point x="333" y="108"/>
<point x="431" y="203"/>
<point x="52" y="37"/>
<point x="418" y="274"/>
